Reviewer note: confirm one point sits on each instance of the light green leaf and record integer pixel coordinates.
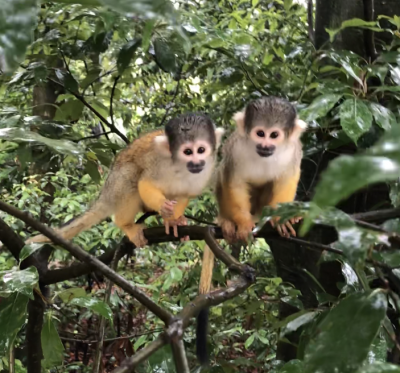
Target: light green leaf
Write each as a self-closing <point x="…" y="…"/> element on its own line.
<point x="21" y="281"/>
<point x="383" y="117"/>
<point x="176" y="274"/>
<point x="147" y="31"/>
<point x="140" y="342"/>
<point x="53" y="349"/>
<point x="298" y="322"/>
<point x="268" y="59"/>
<point x="69" y="294"/>
<point x="249" y="341"/>
<point x="20" y="135"/>
<point x="358" y="317"/>
<point x="146" y="8"/>
<point x="12" y="317"/>
<point x="29" y="249"/>
<point x="354" y="22"/>
<point x="95" y="305"/>
<point x="18" y="19"/>
<point x="70" y="110"/>
<point x="355" y="118"/>
<point x="319" y="107"/>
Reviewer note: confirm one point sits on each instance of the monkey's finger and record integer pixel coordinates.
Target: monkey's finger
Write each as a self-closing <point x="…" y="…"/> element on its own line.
<point x="285" y="231"/>
<point x="166" y="223"/>
<point x="292" y="231"/>
<point x="175" y="230"/>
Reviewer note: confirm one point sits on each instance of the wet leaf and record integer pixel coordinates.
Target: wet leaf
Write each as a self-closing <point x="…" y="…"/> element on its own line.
<point x="165" y="55"/>
<point x="53" y="349"/>
<point x="358" y="317"/>
<point x="18" y="19"/>
<point x="319" y="107"/>
<point x="95" y="305"/>
<point x="383" y="116"/>
<point x="69" y="294"/>
<point x="146" y="8"/>
<point x="12" y="317"/>
<point x="355" y="118"/>
<point x="293" y="366"/>
<point x="21" y="281"/>
<point x="20" y="135"/>
<point x="126" y="54"/>
<point x="29" y="249"/>
<point x="379" y="367"/>
<point x="298" y="322"/>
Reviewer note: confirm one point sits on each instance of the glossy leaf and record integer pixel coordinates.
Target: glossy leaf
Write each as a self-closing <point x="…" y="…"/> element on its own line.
<point x="29" y="249"/>
<point x="92" y="169"/>
<point x="355" y="118"/>
<point x="165" y="55"/>
<point x="53" y="349"/>
<point x="146" y="8"/>
<point x="293" y="366"/>
<point x="298" y="322"/>
<point x="358" y="317"/>
<point x="70" y="110"/>
<point x="354" y="22"/>
<point x="176" y="274"/>
<point x="20" y="135"/>
<point x="18" y="19"/>
<point x="379" y="368"/>
<point x="126" y="54"/>
<point x="95" y="305"/>
<point x="69" y="294"/>
<point x="383" y="116"/>
<point x="12" y="316"/>
<point x="21" y="281"/>
<point x="319" y="107"/>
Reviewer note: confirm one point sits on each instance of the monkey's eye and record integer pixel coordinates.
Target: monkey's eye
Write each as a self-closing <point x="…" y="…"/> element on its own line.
<point x="188" y="151"/>
<point x="260" y="133"/>
<point x="201" y="150"/>
<point x="274" y="135"/>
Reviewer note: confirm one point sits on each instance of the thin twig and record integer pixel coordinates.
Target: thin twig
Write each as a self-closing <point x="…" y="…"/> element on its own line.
<point x="94" y="136"/>
<point x="170" y="103"/>
<point x="112" y="99"/>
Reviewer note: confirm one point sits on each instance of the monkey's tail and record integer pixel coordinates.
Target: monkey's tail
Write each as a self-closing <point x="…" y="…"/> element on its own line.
<point x="202" y="317"/>
<point x="98" y="212"/>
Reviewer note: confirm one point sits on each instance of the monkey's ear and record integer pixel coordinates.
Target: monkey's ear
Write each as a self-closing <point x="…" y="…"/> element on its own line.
<point x="239" y="119"/>
<point x="299" y="127"/>
<point x="162" y="145"/>
<point x="219" y="132"/>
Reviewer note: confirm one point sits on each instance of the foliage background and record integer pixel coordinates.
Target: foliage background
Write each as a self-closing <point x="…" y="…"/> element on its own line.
<point x="80" y="79"/>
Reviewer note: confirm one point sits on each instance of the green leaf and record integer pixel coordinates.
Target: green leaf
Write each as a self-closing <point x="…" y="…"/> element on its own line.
<point x="249" y="341"/>
<point x="293" y="366"/>
<point x="320" y="107"/>
<point x="29" y="249"/>
<point x="358" y="318"/>
<point x="383" y="116"/>
<point x="355" y="118"/>
<point x="176" y="274"/>
<point x="354" y="22"/>
<point x="17" y="21"/>
<point x="165" y="55"/>
<point x="147" y="31"/>
<point x="140" y="342"/>
<point x="95" y="305"/>
<point x="92" y="169"/>
<point x="12" y="317"/>
<point x="268" y="59"/>
<point x="69" y="294"/>
<point x="126" y="54"/>
<point x="53" y="349"/>
<point x="21" y="281"/>
<point x="67" y="80"/>
<point x="146" y="8"/>
<point x="379" y="367"/>
<point x="71" y="110"/>
<point x="298" y="322"/>
<point x="20" y="135"/>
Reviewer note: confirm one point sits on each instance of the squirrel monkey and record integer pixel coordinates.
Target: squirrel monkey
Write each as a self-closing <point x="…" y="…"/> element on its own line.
<point x="260" y="167"/>
<point x="159" y="171"/>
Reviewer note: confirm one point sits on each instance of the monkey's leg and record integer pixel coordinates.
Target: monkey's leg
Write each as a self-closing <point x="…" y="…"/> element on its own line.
<point x="285" y="191"/>
<point x="125" y="217"/>
<point x="237" y="207"/>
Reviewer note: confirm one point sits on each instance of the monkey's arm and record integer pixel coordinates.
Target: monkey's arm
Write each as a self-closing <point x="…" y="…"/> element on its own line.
<point x="284" y="190"/>
<point x="151" y="195"/>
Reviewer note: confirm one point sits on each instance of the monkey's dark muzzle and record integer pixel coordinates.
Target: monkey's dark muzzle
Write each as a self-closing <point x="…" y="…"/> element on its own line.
<point x="195" y="168"/>
<point x="265" y="151"/>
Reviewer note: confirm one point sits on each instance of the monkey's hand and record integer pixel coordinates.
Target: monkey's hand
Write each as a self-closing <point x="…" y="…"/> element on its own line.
<point x="167" y="209"/>
<point x="228" y="230"/>
<point x="175" y="223"/>
<point x="286" y="228"/>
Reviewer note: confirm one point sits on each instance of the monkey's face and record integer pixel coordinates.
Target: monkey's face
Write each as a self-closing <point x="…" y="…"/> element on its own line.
<point x="266" y="139"/>
<point x="195" y="155"/>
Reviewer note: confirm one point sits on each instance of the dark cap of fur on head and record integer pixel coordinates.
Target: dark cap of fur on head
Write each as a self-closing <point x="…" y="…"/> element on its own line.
<point x="270" y="111"/>
<point x="189" y="127"/>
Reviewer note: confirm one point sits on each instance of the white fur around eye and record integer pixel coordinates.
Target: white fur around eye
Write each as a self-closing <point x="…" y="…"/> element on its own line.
<point x="162" y="144"/>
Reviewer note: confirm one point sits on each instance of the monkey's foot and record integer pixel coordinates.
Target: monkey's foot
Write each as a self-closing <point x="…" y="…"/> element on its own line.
<point x="175" y="223"/>
<point x="228" y="230"/>
<point x="244" y="231"/>
<point x="138" y="239"/>
<point x="286" y="229"/>
<point x="167" y="209"/>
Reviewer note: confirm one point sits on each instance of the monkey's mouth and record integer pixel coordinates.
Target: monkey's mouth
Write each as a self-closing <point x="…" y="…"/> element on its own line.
<point x="195" y="170"/>
<point x="264" y="152"/>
